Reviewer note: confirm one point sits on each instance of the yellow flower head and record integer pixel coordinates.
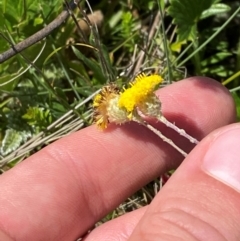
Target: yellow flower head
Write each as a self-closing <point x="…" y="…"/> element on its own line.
<point x="139" y="92"/>
<point x="111" y="106"/>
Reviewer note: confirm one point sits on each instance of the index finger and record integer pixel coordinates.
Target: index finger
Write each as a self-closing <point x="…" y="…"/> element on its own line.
<point x="62" y="190"/>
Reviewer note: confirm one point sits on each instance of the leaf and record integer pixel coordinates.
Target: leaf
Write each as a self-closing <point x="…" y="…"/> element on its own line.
<point x="215" y="9"/>
<point x="106" y="61"/>
<point x="61" y="96"/>
<point x="6" y="82"/>
<point x="216" y="58"/>
<point x="37" y="21"/>
<point x="38" y="117"/>
<point x="217" y="70"/>
<point x="186" y="14"/>
<point x="92" y="65"/>
<point x="12" y="140"/>
<point x="176" y="47"/>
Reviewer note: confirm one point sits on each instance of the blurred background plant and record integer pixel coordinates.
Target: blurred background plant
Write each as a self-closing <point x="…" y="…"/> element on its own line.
<point x="46" y="89"/>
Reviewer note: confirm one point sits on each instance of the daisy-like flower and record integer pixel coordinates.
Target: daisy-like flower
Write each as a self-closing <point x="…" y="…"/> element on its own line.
<point x="140" y="94"/>
<point x="113" y="106"/>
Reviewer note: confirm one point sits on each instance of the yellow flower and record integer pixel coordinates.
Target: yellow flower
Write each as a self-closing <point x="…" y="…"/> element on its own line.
<point x="111" y="106"/>
<point x="139" y="92"/>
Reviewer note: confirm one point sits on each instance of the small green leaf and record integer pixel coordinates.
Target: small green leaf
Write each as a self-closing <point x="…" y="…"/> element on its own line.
<point x="38" y="117"/>
<point x="114" y="20"/>
<point x="215" y="9"/>
<point x="216" y="70"/>
<point x="216" y="58"/>
<point x="176" y="47"/>
<point x="12" y="140"/>
<point x="37" y="21"/>
<point x="91" y="64"/>
<point x="186" y="14"/>
<point x="7" y="82"/>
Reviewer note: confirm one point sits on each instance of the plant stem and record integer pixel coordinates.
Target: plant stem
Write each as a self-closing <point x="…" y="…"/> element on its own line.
<point x="164" y="138"/>
<point x="178" y="130"/>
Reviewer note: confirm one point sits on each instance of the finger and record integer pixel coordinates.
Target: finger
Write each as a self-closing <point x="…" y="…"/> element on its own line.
<point x="117" y="229"/>
<point x="85" y="175"/>
<point x="201" y="200"/>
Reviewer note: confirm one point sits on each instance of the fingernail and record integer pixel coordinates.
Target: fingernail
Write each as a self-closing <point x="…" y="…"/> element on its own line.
<point x="222" y="160"/>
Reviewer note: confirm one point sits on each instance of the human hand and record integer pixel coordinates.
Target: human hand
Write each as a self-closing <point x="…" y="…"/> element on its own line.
<point x="61" y="191"/>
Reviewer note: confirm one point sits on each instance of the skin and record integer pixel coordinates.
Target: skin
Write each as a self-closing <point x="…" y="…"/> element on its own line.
<point x="63" y="190"/>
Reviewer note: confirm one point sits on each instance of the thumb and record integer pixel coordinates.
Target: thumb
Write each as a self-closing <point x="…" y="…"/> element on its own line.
<point x="201" y="201"/>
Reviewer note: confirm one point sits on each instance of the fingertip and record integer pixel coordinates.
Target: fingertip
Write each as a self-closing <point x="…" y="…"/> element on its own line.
<point x="222" y="159"/>
<point x="119" y="228"/>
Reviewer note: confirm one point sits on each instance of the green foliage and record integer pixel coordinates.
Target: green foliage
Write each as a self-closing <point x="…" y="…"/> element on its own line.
<point x="197" y="22"/>
<point x="127" y="26"/>
<point x="146" y="5"/>
<point x="12" y="140"/>
<point x="91" y="64"/>
<point x="19" y="20"/>
<point x="38" y="118"/>
<point x="214" y="64"/>
<point x="124" y="25"/>
<point x="216" y="8"/>
<point x="186" y="14"/>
